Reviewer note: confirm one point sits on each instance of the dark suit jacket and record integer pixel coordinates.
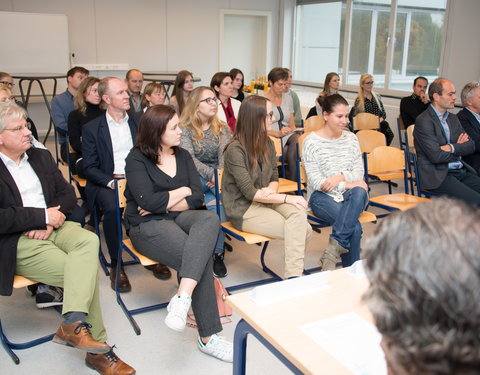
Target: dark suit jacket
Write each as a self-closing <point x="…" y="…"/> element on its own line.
<point x="471" y="125"/>
<point x="97" y="153"/>
<point x="16" y="219"/>
<point x="428" y="137"/>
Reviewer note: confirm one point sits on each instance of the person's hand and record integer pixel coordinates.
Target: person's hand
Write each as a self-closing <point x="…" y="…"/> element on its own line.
<point x="463" y="138"/>
<point x="56" y="218"/>
<point x="39" y="234"/>
<point x="143" y="212"/>
<point x="331" y="183"/>
<point x="424" y="98"/>
<point x="446" y="148"/>
<point x="285" y="130"/>
<point x="297" y="201"/>
<point x="211" y="184"/>
<point x="265" y="192"/>
<point x="187" y="191"/>
<point x="359" y="183"/>
<point x="381" y="119"/>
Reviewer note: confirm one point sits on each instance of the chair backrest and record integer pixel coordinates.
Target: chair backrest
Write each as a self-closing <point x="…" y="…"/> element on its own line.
<point x="277" y="142"/>
<point x="410" y="136"/>
<point x="370" y="139"/>
<point x="385" y="159"/>
<point x="121" y="184"/>
<point x="365" y="120"/>
<point x="313" y="123"/>
<point x="300" y="143"/>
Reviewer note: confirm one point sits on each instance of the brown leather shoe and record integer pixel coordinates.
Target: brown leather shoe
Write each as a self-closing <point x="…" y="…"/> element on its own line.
<point x="108" y="364"/>
<point x="160" y="271"/>
<point x="123" y="283"/>
<point x="77" y="335"/>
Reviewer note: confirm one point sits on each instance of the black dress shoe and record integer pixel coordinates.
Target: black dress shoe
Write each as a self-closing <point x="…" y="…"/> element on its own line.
<point x="123" y="283"/>
<point x="160" y="271"/>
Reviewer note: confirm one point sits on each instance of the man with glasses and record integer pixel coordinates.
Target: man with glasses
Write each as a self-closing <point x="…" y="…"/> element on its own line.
<point x="441" y="143"/>
<point x="37" y="242"/>
<point x="411" y="106"/>
<point x="62" y="105"/>
<point x="469" y="117"/>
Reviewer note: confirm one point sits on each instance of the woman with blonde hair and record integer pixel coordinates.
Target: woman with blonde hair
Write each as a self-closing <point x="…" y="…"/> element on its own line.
<point x="204" y="136"/>
<point x="370" y="102"/>
<point x="250" y="186"/>
<point x="182" y="88"/>
<point x="153" y="94"/>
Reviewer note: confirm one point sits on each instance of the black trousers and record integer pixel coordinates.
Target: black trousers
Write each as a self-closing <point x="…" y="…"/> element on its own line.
<point x="460" y="184"/>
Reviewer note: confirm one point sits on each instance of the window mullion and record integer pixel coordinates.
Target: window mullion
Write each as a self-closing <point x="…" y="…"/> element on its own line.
<point x="390" y="43"/>
<point x="346" y="42"/>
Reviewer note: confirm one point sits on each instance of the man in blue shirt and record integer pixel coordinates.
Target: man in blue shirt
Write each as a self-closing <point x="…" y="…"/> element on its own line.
<point x="62" y="105"/>
<point x="441" y="143"/>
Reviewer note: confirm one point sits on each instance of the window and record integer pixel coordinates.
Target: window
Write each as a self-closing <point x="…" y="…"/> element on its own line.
<point x="394" y="40"/>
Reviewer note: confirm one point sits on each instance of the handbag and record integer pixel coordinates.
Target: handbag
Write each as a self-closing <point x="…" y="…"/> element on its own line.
<point x="224" y="309"/>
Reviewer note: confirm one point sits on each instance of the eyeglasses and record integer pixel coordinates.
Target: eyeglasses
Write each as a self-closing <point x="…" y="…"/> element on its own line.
<point x="270" y="115"/>
<point x="19" y="129"/>
<point x="209" y="100"/>
<point x="8" y="84"/>
<point x="369" y="83"/>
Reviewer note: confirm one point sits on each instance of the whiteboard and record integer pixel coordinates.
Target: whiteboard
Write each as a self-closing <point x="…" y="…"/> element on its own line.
<point x="34" y="43"/>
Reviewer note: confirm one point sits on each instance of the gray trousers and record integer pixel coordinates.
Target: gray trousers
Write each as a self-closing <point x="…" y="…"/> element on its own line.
<point x="186" y="245"/>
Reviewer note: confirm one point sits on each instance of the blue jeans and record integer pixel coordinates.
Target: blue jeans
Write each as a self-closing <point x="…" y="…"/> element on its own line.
<point x="343" y="216"/>
<point x="209" y="196"/>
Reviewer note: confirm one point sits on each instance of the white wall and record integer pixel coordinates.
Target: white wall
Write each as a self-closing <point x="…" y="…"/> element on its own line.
<point x="146" y="34"/>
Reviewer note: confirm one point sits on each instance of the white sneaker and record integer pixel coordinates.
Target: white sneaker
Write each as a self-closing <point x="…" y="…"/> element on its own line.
<point x="177" y="312"/>
<point x="217" y="347"/>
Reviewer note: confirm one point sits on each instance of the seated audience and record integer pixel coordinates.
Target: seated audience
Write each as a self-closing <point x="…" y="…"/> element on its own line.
<point x="38" y="243"/>
<point x="283" y="122"/>
<point x="87" y="108"/>
<point x="469" y="117"/>
<point x="237" y="80"/>
<point x="153" y="94"/>
<point x="228" y="107"/>
<point x="165" y="223"/>
<point x="181" y="89"/>
<point x="422" y="265"/>
<point x="441" y="143"/>
<point x="250" y="186"/>
<point x="204" y="136"/>
<point x="368" y="101"/>
<point x="330" y="87"/>
<point x="62" y="105"/>
<point x="336" y="189"/>
<point x="134" y="80"/>
<point x="297" y="110"/>
<point x="411" y="106"/>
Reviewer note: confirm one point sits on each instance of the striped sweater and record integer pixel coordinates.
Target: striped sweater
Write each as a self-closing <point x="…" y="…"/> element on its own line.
<point x="324" y="158"/>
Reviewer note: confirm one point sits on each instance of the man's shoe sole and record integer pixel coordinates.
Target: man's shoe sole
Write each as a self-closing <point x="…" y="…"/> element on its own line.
<point x="94" y="350"/>
<point x="44" y="305"/>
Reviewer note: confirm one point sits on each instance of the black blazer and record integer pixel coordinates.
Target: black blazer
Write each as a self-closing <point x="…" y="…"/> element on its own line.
<point x="97" y="153"/>
<point x="428" y="137"/>
<point x="471" y="125"/>
<point x="15" y="219"/>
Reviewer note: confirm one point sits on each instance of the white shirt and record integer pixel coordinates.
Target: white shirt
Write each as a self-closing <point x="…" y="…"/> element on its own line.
<point x="121" y="142"/>
<point x="27" y="182"/>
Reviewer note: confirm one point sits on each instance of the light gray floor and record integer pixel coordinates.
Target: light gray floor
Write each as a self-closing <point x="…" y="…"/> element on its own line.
<point x="158" y="350"/>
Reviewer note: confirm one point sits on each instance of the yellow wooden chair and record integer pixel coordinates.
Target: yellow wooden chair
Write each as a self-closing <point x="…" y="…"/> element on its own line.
<point x="389" y="162"/>
<point x="284" y="185"/>
<point x="364" y="121"/>
<point x="369" y="139"/>
<point x="20" y="282"/>
<point x="313" y="123"/>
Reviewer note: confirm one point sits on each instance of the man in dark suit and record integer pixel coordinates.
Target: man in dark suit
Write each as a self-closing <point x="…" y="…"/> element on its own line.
<point x="38" y="243"/>
<point x="411" y="106"/>
<point x="106" y="142"/>
<point x="134" y="81"/>
<point x="469" y="117"/>
<point x="440" y="143"/>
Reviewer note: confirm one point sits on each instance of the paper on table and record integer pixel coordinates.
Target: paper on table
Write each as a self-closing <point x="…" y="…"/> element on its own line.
<point x="283" y="290"/>
<point x="357" y="270"/>
<point x="352" y="341"/>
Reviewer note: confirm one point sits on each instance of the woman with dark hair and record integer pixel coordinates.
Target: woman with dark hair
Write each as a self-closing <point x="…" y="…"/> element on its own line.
<point x="237" y="79"/>
<point x="204" y="136"/>
<point x="164" y="222"/>
<point x="182" y="88"/>
<point x="330" y="87"/>
<point x="284" y="121"/>
<point x="336" y="189"/>
<point x="370" y="102"/>
<point x="228" y="107"/>
<point x="250" y="186"/>
<point x="87" y="104"/>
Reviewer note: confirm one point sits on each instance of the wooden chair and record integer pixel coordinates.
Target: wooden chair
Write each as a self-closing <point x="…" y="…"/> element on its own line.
<point x="126" y="244"/>
<point x="313" y="123"/>
<point x="20" y="282"/>
<point x="284" y="185"/>
<point x="370" y="139"/>
<point x="389" y="162"/>
<point x="364" y="121"/>
<point x="249" y="238"/>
